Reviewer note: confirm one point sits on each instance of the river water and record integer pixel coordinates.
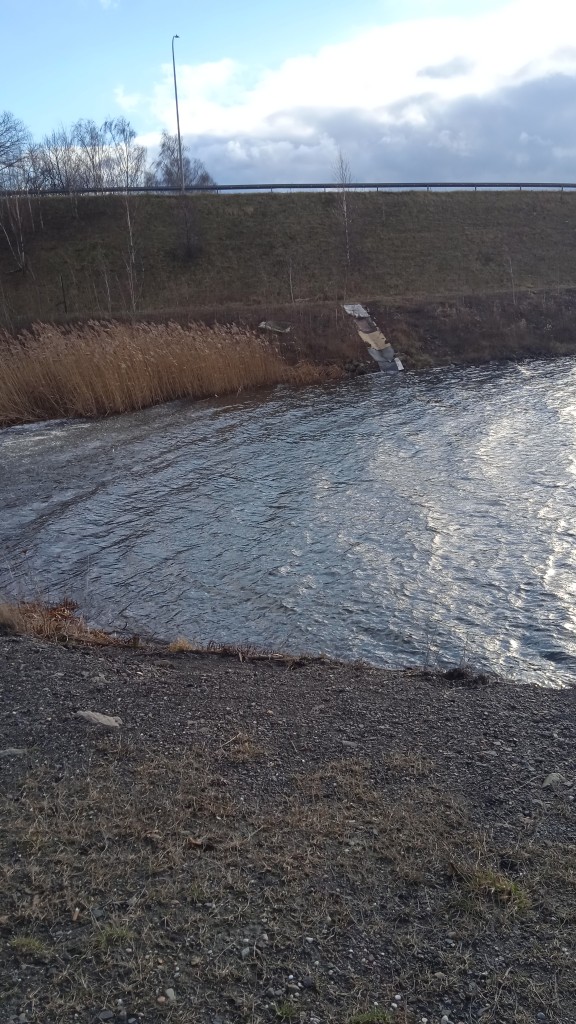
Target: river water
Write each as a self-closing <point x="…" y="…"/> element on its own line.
<point x="429" y="517"/>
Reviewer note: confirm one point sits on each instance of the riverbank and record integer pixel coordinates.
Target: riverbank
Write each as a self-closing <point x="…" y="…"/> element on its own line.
<point x="104" y="367"/>
<point x="268" y="839"/>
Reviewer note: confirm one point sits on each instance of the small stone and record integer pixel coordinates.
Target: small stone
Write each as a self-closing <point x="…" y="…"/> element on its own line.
<point x="161" y="999"/>
<point x="170" y="995"/>
<point x="95" y="718"/>
<point x="445" y="1020"/>
<point x="398" y="998"/>
<point x="308" y="982"/>
<point x="540" y="1016"/>
<point x="554" y="779"/>
<point x="245" y="952"/>
<point x="105" y="1015"/>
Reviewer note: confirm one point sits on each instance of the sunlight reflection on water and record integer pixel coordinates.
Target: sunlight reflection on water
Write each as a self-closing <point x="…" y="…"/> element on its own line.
<point x="432" y="516"/>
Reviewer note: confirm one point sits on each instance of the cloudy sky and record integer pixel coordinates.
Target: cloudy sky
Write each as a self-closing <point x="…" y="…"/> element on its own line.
<point x="415" y="90"/>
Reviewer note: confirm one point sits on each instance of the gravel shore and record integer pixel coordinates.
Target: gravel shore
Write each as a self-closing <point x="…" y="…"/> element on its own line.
<point x="278" y="839"/>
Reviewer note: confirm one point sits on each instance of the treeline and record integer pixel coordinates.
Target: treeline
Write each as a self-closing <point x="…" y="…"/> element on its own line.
<point x="91" y="156"/>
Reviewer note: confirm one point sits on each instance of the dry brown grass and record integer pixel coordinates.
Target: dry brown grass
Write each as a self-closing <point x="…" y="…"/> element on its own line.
<point x="106" y="367"/>
<point x="56" y="622"/>
<point x="147" y="871"/>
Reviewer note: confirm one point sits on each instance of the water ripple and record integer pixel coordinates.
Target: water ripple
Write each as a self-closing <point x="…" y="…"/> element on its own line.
<point x="428" y="517"/>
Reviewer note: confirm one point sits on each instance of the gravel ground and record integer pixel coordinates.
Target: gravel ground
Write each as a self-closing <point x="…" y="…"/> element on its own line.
<point x="280" y="839"/>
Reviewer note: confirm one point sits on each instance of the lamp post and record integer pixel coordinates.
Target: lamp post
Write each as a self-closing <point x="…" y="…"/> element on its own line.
<point x="178" y="118"/>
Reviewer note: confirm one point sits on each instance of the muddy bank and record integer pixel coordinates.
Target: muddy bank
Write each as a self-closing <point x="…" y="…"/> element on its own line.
<point x="281" y="839"/>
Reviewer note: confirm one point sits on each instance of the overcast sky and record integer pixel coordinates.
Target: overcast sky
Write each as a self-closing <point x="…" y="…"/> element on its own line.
<point x="413" y="90"/>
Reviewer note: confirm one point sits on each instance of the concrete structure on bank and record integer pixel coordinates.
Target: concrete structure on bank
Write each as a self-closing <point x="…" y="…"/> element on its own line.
<point x="379" y="348"/>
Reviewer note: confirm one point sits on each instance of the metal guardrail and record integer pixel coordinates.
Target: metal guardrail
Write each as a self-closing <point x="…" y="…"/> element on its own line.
<point x="359" y="186"/>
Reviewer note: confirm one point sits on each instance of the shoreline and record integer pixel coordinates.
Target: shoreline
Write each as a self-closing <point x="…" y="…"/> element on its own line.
<point x="55" y="371"/>
<point x="281" y="839"/>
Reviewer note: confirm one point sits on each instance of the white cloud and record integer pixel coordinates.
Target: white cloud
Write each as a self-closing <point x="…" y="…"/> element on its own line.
<point x="386" y="77"/>
<point x="127" y="100"/>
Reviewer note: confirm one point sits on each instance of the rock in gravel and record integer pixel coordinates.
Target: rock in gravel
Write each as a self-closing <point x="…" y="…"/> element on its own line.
<point x="105" y="1015"/>
<point x="95" y="718"/>
<point x="553" y="780"/>
<point x="170" y="995"/>
<point x="12" y="751"/>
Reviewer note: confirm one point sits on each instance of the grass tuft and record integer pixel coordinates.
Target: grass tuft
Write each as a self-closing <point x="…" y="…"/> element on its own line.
<point x="29" y="946"/>
<point x="485" y="883"/>
<point x="374" y="1016"/>
<point x="55" y="622"/>
<point x="181" y="646"/>
<point x="112" y="935"/>
<point x="287" y="1010"/>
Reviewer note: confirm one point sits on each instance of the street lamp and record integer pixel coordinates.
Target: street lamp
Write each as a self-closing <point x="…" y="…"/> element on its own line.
<point x="178" y="117"/>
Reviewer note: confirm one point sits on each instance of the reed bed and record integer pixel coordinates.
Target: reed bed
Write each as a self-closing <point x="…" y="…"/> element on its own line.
<point x="101" y="368"/>
<point x="56" y="622"/>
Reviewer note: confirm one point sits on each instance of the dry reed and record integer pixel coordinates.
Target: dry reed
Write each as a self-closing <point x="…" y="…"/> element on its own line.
<point x="102" y="368"/>
<point x="57" y="622"/>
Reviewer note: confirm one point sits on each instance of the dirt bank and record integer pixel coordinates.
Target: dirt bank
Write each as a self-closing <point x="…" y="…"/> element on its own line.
<point x="281" y="840"/>
<point x="480" y="328"/>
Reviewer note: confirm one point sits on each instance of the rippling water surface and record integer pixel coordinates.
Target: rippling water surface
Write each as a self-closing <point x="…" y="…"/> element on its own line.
<point x="429" y="516"/>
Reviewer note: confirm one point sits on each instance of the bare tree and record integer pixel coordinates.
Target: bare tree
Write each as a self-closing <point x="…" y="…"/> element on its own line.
<point x="166" y="168"/>
<point x="61" y="161"/>
<point x="343" y="176"/>
<point x="12" y="228"/>
<point x="90" y="156"/>
<point x="14" y="140"/>
<point x="129" y="163"/>
<point x="128" y="158"/>
<point x="92" y="152"/>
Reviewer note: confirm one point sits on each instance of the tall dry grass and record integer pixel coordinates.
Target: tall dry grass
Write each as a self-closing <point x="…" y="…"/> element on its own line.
<point x="101" y="368"/>
<point x="59" y="622"/>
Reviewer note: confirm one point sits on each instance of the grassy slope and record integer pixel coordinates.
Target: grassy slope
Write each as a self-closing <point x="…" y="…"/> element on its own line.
<point x="267" y="249"/>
